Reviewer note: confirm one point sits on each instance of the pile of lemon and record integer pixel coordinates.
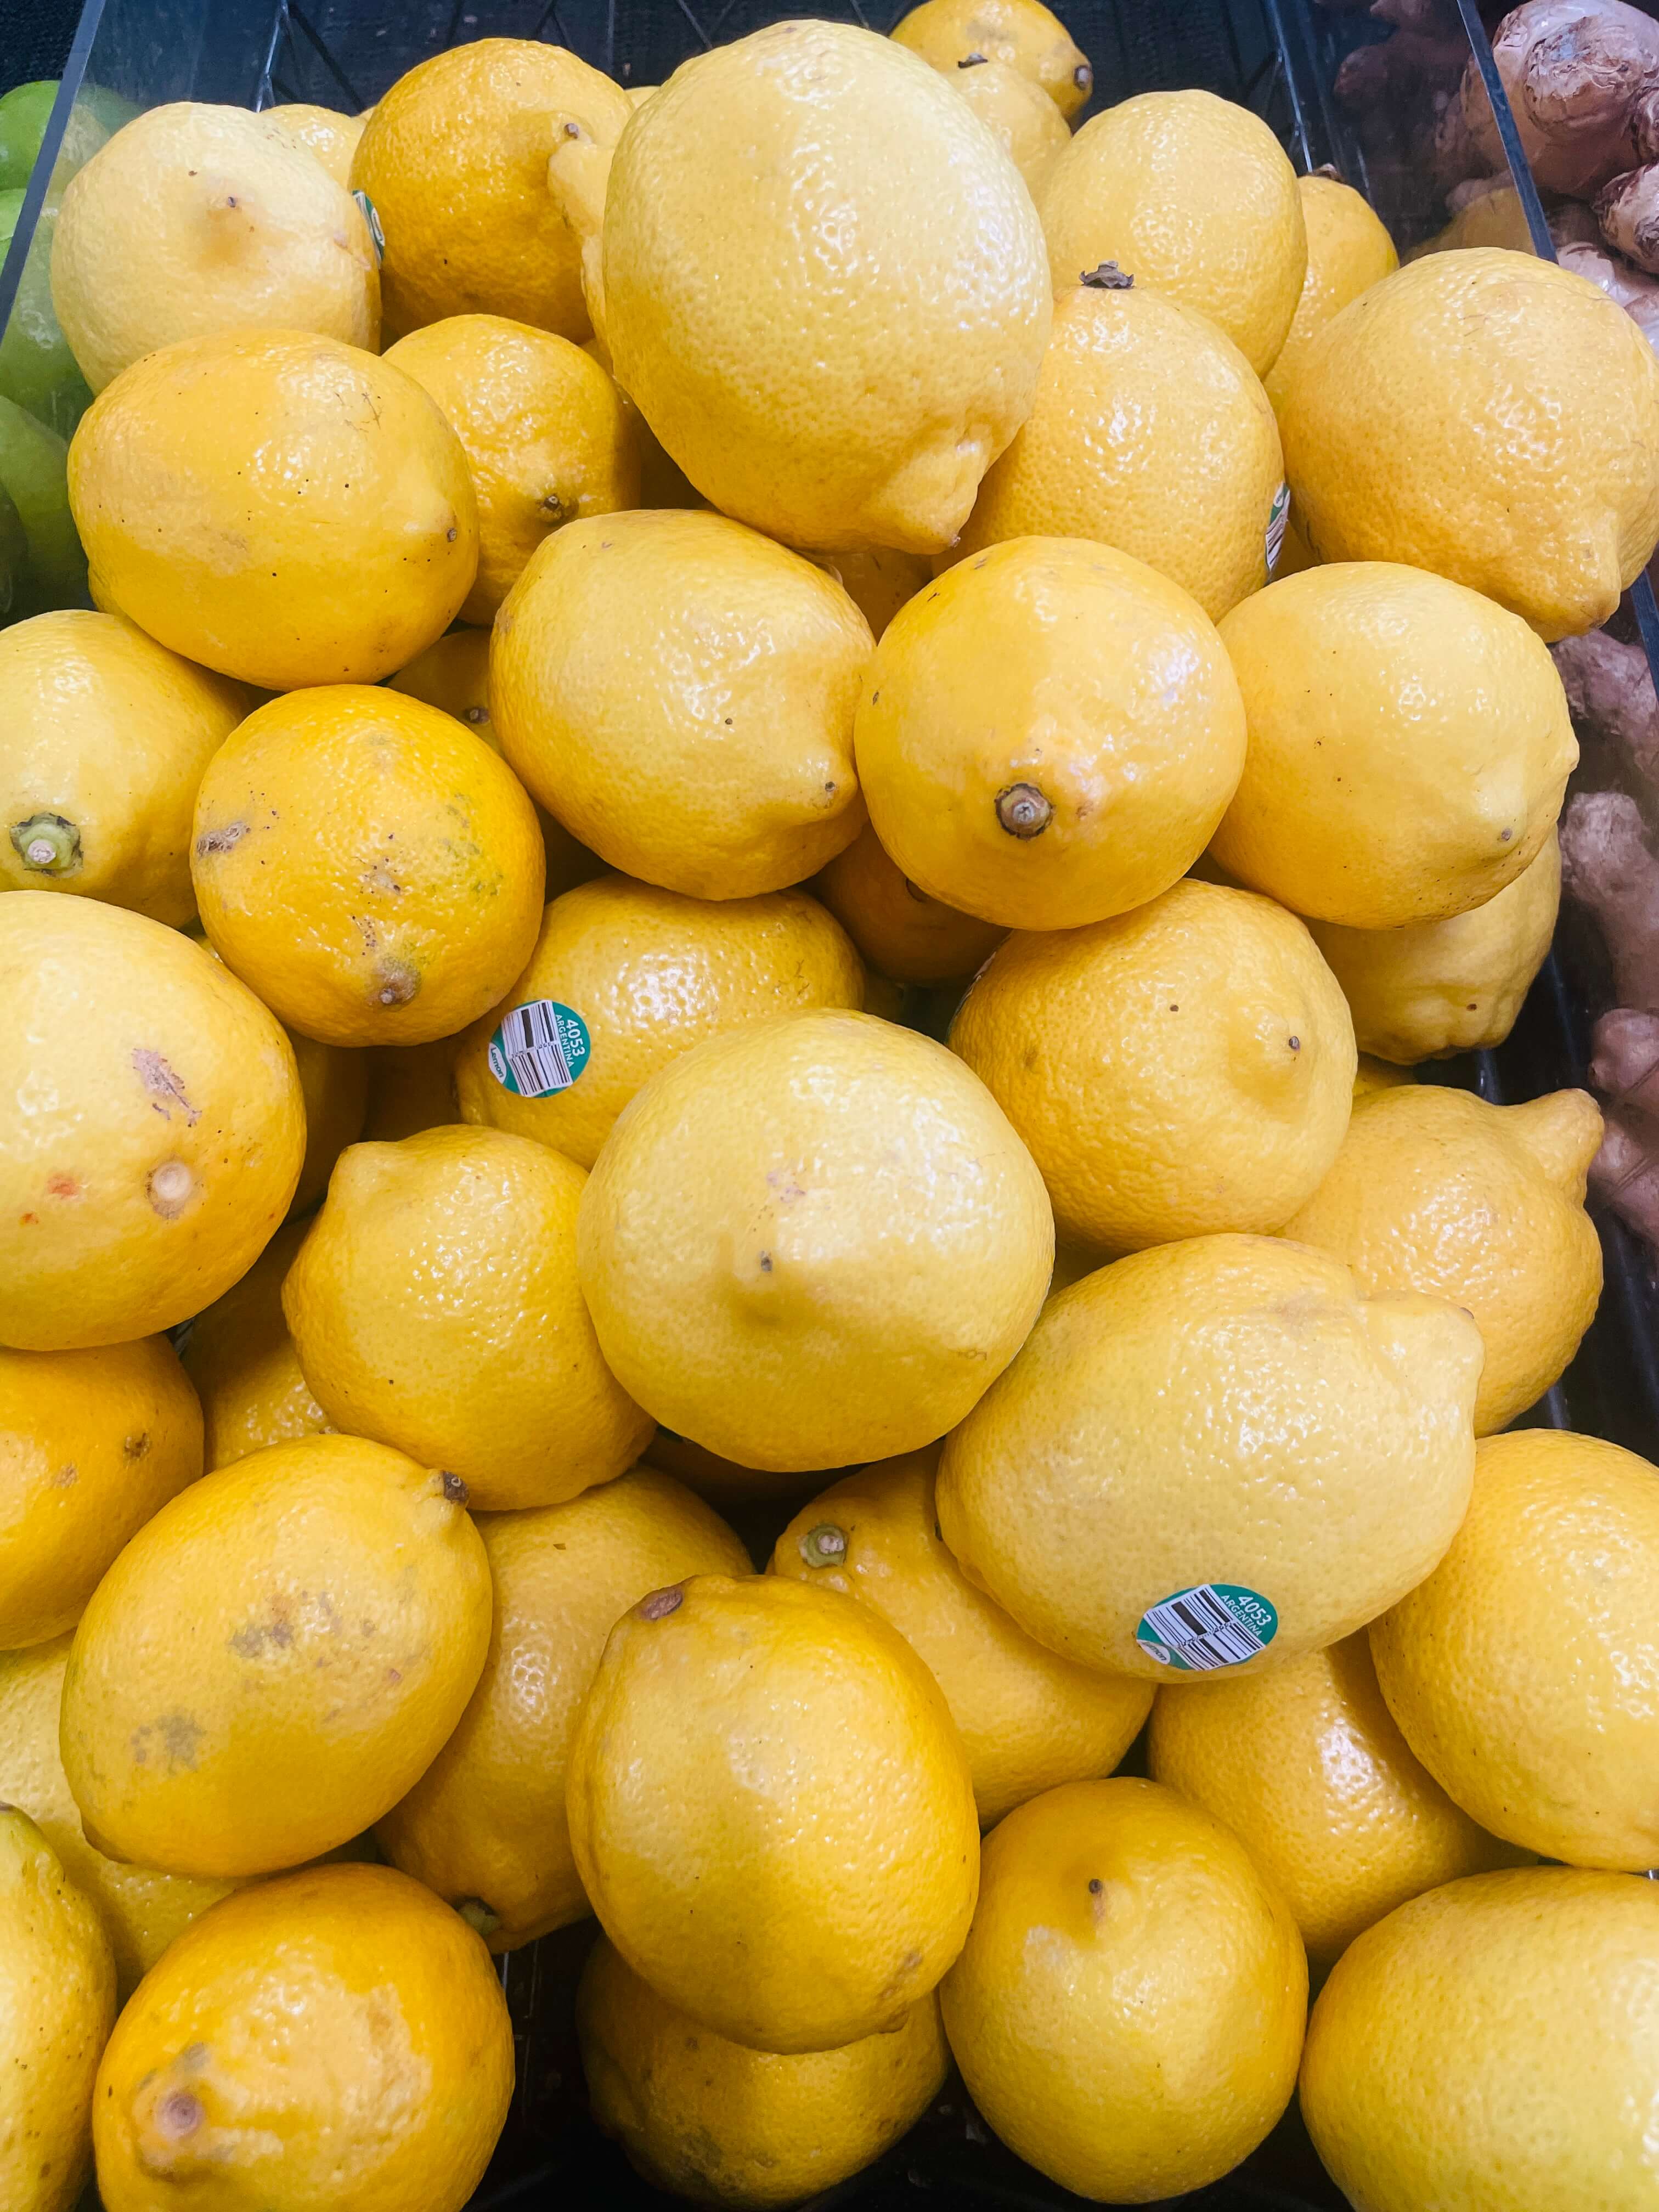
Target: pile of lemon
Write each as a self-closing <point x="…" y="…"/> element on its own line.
<point x="811" y="542"/>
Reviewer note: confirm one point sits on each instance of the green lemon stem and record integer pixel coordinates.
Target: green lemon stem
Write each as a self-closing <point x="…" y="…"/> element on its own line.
<point x="47" y="844"/>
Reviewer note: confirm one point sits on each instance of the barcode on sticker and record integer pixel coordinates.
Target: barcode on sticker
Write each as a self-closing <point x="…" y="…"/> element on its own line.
<point x="1279" y="515"/>
<point x="541" y="1047"/>
<point x="1212" y="1624"/>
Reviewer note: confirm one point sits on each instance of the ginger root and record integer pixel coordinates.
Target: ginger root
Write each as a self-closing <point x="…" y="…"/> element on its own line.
<point x="1610" y="696"/>
<point x="1628" y="211"/>
<point x="1575" y="71"/>
<point x="1625" y="1069"/>
<point x="1607" y="869"/>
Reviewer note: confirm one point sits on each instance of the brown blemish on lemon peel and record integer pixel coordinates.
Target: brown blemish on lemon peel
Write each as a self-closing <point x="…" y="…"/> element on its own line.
<point x="660" y="1603"/>
<point x="219" y="841"/>
<point x="165" y="1088"/>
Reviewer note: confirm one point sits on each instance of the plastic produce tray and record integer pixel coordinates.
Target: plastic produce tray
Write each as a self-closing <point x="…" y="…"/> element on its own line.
<point x="1281" y="57"/>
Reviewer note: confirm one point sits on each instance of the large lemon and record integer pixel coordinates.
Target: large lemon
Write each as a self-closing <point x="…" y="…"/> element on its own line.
<point x="274" y="1659"/>
<point x="1437" y="1190"/>
<point x="153" y="1141"/>
<point x="1518" y="1671"/>
<point x="818" y="165"/>
<point x="1349" y="250"/>
<point x="680" y="692"/>
<point x="901" y="931"/>
<point x="435" y="1307"/>
<point x="241" y="1359"/>
<point x="485" y="1825"/>
<point x="283" y="508"/>
<point x="1489" y="416"/>
<point x="1184" y="1069"/>
<point x="1492" y="2044"/>
<point x="1216" y="1454"/>
<point x="1021" y="34"/>
<point x="1150" y="431"/>
<point x="1409" y="745"/>
<point x="648" y="973"/>
<point x="771" y="1811"/>
<point x="1193" y="196"/>
<point x="1127" y="2011"/>
<point x="337" y="2034"/>
<point x="1049" y="735"/>
<point x="813" y="1241"/>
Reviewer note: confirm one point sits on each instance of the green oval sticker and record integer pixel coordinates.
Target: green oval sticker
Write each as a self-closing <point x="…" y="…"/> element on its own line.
<point x="540" y="1048"/>
<point x="1212" y="1624"/>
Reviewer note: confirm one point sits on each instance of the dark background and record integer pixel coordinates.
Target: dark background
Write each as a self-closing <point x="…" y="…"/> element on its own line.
<point x="34" y="39"/>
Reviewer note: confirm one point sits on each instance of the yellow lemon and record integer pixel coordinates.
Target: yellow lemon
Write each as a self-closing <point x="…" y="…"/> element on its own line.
<point x="680" y="692"/>
<point x="107" y="737"/>
<point x="485" y="1826"/>
<point x="434" y="1306"/>
<point x="1215" y="1454"/>
<point x="1016" y="111"/>
<point x="869" y="410"/>
<point x="60" y="2008"/>
<point x="141" y="1911"/>
<point x="335" y="1086"/>
<point x="241" y="1359"/>
<point x="1149" y="432"/>
<point x="91" y="1445"/>
<point x="157" y="1139"/>
<point x="282" y="508"/>
<point x="1020" y="34"/>
<point x="1518" y="1671"/>
<point x="813" y="1910"/>
<point x="544" y="430"/>
<point x="1127" y="2011"/>
<point x="368" y="865"/>
<point x="813" y="1241"/>
<point x="722" y="1481"/>
<point x="411" y="1087"/>
<point x="901" y="931"/>
<point x="1435" y="1190"/>
<point x="1049" y="735"/>
<point x="327" y="135"/>
<point x="722" y="2124"/>
<point x="193" y="220"/>
<point x="1307" y="1768"/>
<point x="662" y="481"/>
<point x="1488" y="2045"/>
<point x="274" y="1659"/>
<point x="1438" y="988"/>
<point x="877" y="578"/>
<point x="390" y="2096"/>
<point x="1349" y="250"/>
<point x="1184" y="1069"/>
<point x="1191" y="197"/>
<point x="648" y="973"/>
<point x="1492" y="417"/>
<point x="1028" y="1719"/>
<point x="1409" y="745"/>
<point x="454" y="158"/>
<point x="1372" y="1076"/>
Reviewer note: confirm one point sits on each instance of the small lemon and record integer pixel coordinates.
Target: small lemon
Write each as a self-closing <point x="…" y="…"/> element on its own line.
<point x="454" y="158"/>
<point x="282" y="508"/>
<point x="157" y="1139"/>
<point x="1489" y="416"/>
<point x="241" y="1359"/>
<point x="1028" y="1719"/>
<point x="435" y="1307"/>
<point x="390" y="2095"/>
<point x="877" y="578"/>
<point x="663" y="482"/>
<point x="722" y="2124"/>
<point x="327" y="135"/>
<point x="1127" y="2011"/>
<point x="1049" y="735"/>
<point x="59" y="2009"/>
<point x="819" y="1907"/>
<point x="91" y="1445"/>
<point x="368" y="865"/>
<point x="544" y="430"/>
<point x="1438" y="988"/>
<point x="195" y="219"/>
<point x="648" y="974"/>
<point x="485" y="1825"/>
<point x="107" y="734"/>
<point x="1349" y="250"/>
<point x="1437" y="1190"/>
<point x="411" y="1087"/>
<point x="1216" y="1454"/>
<point x="1182" y="1070"/>
<point x="1151" y="433"/>
<point x="274" y="1659"/>
<point x="1016" y="111"/>
<point x="900" y="930"/>
<point x="680" y="692"/>
<point x="1194" y="197"/>
<point x="1517" y="1672"/>
<point x="1409" y="745"/>
<point x="1306" y="1766"/>
<point x="1020" y="34"/>
<point x="813" y="1241"/>
<point x="334" y="1084"/>
<point x="1489" y="2045"/>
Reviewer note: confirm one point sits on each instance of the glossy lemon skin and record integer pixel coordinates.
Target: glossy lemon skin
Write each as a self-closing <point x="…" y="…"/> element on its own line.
<point x="901" y="931"/>
<point x="328" y="135"/>
<point x="1021" y="34"/>
<point x="1349" y="250"/>
<point x="1018" y="114"/>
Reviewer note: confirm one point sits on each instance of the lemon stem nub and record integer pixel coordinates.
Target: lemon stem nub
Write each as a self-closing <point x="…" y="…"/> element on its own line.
<point x="48" y="844"/>
<point x="478" y="1917"/>
<point x="1107" y="277"/>
<point x="824" y="1546"/>
<point x="1022" y="810"/>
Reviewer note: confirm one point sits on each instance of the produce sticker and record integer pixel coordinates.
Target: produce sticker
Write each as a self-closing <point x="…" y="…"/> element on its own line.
<point x="1212" y="1624"/>
<point x="541" y="1047"/>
